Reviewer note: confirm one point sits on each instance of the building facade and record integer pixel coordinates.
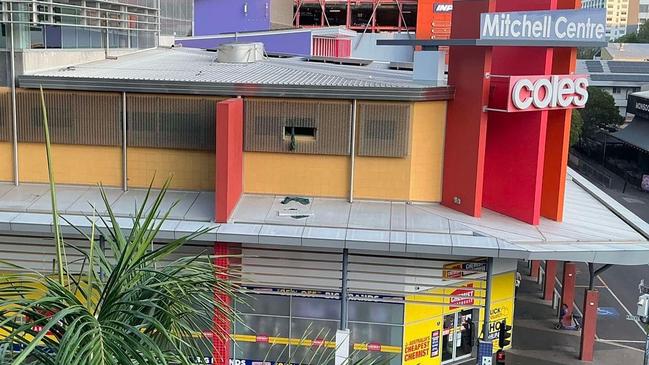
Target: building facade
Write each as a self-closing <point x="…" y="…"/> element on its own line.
<point x="618" y="15"/>
<point x="618" y="78"/>
<point x="363" y="16"/>
<point x="361" y="208"/>
<point x="643" y="14"/>
<point x="61" y="33"/>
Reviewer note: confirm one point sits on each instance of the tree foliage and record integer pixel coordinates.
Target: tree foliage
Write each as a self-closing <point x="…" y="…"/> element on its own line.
<point x="600" y="112"/>
<point x="642" y="36"/>
<point x="576" y="127"/>
<point x="587" y="53"/>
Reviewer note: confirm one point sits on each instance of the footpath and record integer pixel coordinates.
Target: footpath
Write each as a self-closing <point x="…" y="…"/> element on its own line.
<point x="536" y="342"/>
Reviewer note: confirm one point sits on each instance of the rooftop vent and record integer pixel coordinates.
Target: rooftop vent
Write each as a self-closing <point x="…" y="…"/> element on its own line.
<point x="240" y="52"/>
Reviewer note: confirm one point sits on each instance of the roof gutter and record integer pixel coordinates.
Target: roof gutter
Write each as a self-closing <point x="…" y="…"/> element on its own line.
<point x="424" y="93"/>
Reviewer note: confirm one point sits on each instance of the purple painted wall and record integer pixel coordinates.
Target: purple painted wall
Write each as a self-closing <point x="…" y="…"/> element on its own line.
<point x="297" y="42"/>
<point x="228" y="16"/>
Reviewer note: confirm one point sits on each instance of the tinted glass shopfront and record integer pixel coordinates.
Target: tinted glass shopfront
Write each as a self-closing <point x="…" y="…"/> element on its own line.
<point x="299" y="329"/>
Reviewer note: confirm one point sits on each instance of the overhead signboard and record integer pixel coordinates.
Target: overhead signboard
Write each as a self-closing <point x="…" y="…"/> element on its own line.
<point x="534" y="93"/>
<point x="442" y="8"/>
<point x="586" y="26"/>
<point x="638" y="105"/>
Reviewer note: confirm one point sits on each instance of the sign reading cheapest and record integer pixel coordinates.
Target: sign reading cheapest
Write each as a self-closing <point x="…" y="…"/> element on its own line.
<point x="570" y="26"/>
<point x="529" y="93"/>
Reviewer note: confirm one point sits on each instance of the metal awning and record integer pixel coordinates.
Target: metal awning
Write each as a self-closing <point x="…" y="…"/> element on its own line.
<point x="596" y="228"/>
<point x="635" y="134"/>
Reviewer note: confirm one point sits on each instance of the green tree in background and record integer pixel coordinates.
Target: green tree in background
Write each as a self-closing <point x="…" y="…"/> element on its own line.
<point x="587" y="53"/>
<point x="642" y="36"/>
<point x="576" y="127"/>
<point x="600" y="112"/>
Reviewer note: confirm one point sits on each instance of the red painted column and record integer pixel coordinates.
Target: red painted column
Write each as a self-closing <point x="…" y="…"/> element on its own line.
<point x="222" y="323"/>
<point x="589" y="328"/>
<point x="534" y="271"/>
<point x="557" y="142"/>
<point x="568" y="285"/>
<point x="466" y="126"/>
<point x="229" y="157"/>
<point x="515" y="147"/>
<point x="550" y="274"/>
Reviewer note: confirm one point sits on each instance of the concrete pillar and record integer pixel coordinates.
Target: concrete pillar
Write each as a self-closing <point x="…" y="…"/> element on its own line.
<point x="534" y="270"/>
<point x="591" y="301"/>
<point x="568" y="285"/>
<point x="550" y="273"/>
<point x="222" y="323"/>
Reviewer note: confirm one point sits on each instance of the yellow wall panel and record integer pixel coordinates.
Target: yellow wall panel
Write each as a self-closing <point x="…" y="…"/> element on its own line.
<point x="427" y="151"/>
<point x="6" y="162"/>
<point x="73" y="164"/>
<point x="296" y="174"/>
<point x="190" y="170"/>
<point x="382" y="178"/>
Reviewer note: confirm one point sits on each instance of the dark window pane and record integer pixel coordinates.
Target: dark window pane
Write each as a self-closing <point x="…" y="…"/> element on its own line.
<point x="375" y="312"/>
<point x="376" y="333"/>
<point x="264" y="304"/>
<point x="316" y="308"/>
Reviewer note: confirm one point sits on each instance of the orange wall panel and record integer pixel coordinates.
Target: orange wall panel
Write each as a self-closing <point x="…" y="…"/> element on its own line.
<point x="296" y="174"/>
<point x="382" y="178"/>
<point x="428" y="129"/>
<point x="73" y="164"/>
<point x="190" y="170"/>
<point x="6" y="162"/>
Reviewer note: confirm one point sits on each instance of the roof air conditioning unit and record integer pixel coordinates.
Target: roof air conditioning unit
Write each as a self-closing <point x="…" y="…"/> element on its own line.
<point x="240" y="52"/>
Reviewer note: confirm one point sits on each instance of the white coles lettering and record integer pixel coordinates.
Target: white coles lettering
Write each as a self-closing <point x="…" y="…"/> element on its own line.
<point x="550" y="92"/>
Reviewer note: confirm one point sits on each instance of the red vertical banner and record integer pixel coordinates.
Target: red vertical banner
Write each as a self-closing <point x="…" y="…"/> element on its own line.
<point x="229" y="157"/>
<point x="557" y="143"/>
<point x="466" y="120"/>
<point x="515" y="146"/>
<point x="511" y="163"/>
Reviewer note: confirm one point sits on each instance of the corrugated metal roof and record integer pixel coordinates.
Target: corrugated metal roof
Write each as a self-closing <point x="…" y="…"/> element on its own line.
<point x="196" y="71"/>
<point x="614" y="73"/>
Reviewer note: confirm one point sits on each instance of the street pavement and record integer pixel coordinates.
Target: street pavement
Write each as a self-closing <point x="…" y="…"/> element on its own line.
<point x="536" y="342"/>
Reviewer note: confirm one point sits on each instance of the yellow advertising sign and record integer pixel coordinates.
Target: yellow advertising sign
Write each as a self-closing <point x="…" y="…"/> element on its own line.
<point x="423" y="327"/>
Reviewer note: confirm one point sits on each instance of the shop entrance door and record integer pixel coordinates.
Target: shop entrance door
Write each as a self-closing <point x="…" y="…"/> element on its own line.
<point x="457" y="339"/>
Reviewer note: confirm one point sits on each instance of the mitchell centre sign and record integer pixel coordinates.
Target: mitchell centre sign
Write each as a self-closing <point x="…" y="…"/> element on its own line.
<point x="556" y="26"/>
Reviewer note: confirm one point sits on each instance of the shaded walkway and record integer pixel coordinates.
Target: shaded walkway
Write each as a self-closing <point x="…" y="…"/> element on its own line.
<point x="536" y="342"/>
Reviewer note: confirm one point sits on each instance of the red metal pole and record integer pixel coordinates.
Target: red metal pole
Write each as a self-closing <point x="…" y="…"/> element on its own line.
<point x="568" y="285"/>
<point x="298" y="6"/>
<point x="323" y="15"/>
<point x="222" y="324"/>
<point x="589" y="328"/>
<point x="400" y="8"/>
<point x="376" y="7"/>
<point x="550" y="274"/>
<point x="348" y="20"/>
<point x="534" y="271"/>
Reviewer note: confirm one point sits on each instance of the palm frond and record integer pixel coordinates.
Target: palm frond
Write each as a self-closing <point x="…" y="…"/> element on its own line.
<point x="144" y="308"/>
